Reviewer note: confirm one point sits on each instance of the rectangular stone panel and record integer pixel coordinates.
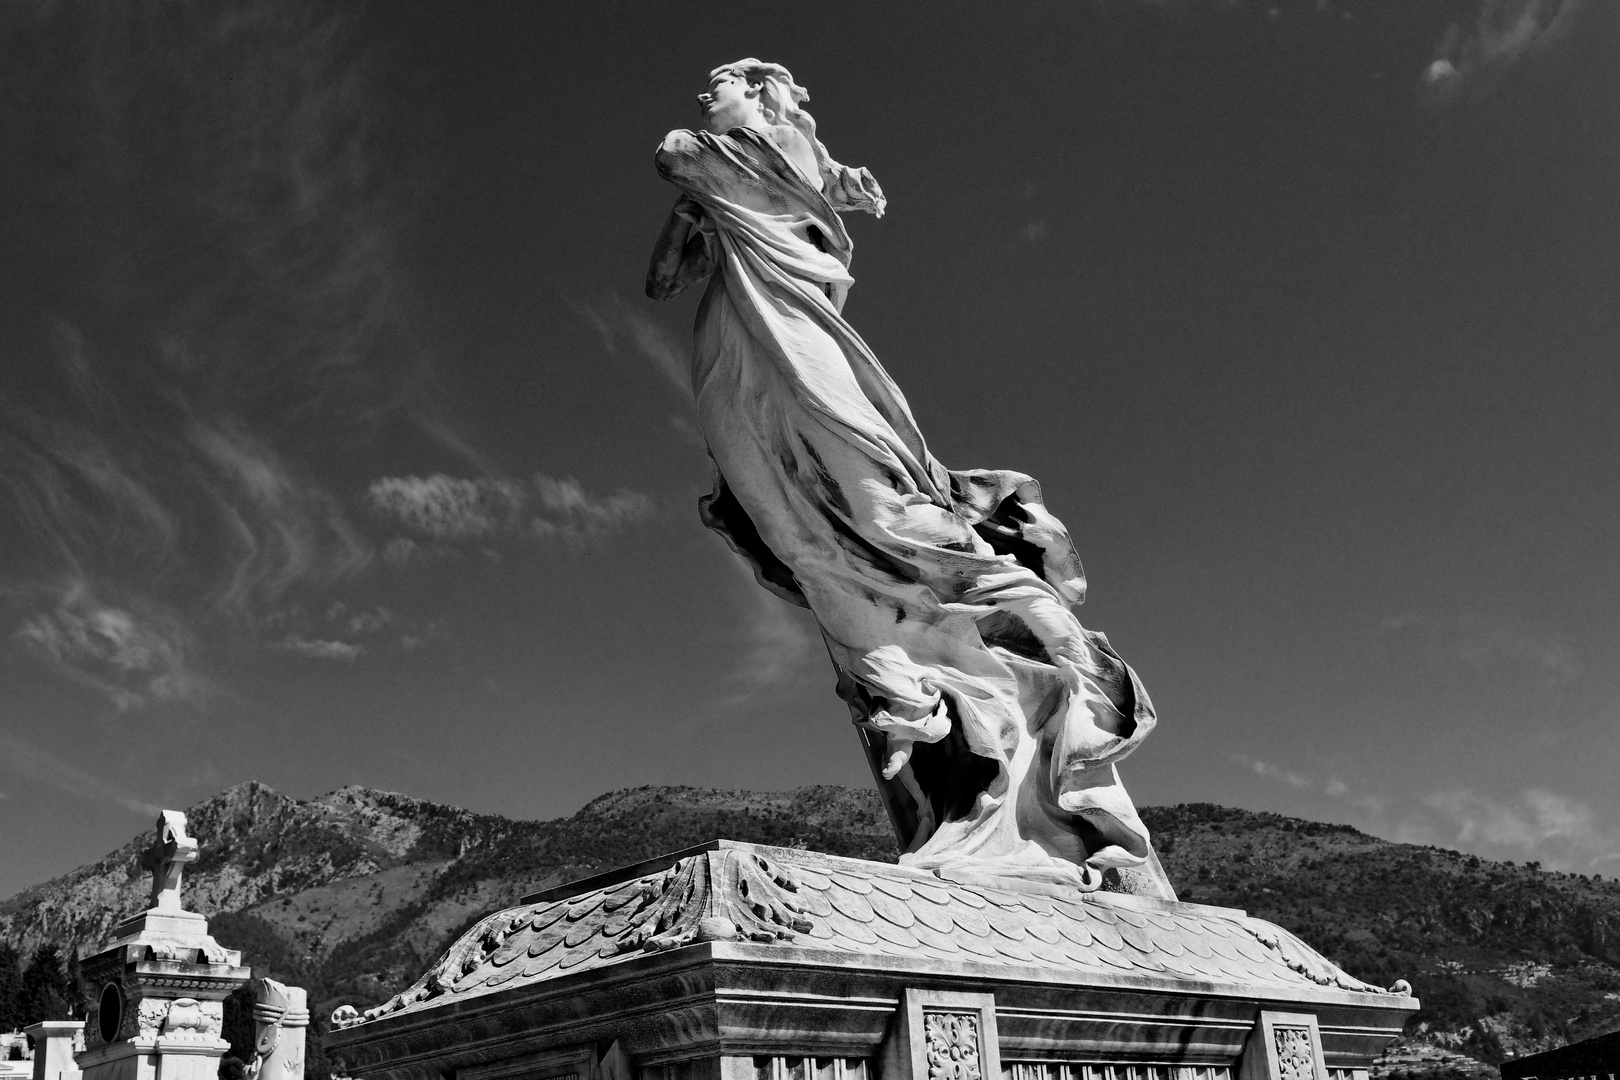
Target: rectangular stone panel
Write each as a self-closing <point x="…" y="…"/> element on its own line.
<point x="564" y="1063"/>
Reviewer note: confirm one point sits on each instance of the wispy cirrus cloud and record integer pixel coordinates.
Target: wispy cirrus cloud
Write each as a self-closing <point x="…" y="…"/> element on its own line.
<point x="216" y="292"/>
<point x="1487" y="646"/>
<point x="443" y="509"/>
<point x="30" y="764"/>
<point x="1473" y="57"/>
<point x="280" y="529"/>
<point x="1533" y="824"/>
<point x="564" y="509"/>
<point x="345" y="633"/>
<point x="318" y="648"/>
<point x="626" y="327"/>
<point x="1534" y="820"/>
<point x="779" y="644"/>
<point x="132" y="653"/>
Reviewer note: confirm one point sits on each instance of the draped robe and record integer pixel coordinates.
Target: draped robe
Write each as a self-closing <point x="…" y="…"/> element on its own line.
<point x="930" y="586"/>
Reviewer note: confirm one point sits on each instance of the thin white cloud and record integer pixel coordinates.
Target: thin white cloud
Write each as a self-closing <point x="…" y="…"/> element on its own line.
<point x="1472" y="58"/>
<point x="444" y="509"/>
<point x="345" y="632"/>
<point x="1534" y="824"/>
<point x="31" y="764"/>
<point x="131" y="656"/>
<point x="778" y="645"/>
<point x="566" y="510"/>
<point x="626" y="327"/>
<point x="1536" y="821"/>
<point x="252" y="304"/>
<point x="448" y="508"/>
<point x="285" y="529"/>
<point x="317" y="649"/>
<point x="1272" y="772"/>
<point x="1487" y="646"/>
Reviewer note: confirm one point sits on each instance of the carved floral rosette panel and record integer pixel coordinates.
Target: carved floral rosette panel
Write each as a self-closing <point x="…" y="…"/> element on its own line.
<point x="1295" y="1058"/>
<point x="151" y="1018"/>
<point x="952" y="1041"/>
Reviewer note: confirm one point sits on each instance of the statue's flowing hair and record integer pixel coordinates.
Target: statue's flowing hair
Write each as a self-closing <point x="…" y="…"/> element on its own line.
<point x="780" y="98"/>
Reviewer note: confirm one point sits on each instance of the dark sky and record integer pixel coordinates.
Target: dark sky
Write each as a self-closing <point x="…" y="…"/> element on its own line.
<point x="339" y="446"/>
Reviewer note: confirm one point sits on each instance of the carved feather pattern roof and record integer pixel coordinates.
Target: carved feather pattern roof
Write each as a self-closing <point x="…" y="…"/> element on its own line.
<point x="747" y="892"/>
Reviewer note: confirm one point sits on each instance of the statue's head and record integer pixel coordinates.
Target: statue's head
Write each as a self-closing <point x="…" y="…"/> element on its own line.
<point x="753" y="94"/>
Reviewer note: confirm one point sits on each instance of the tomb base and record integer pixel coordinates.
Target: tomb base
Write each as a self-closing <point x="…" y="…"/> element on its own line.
<point x="156" y="1005"/>
<point x="741" y="962"/>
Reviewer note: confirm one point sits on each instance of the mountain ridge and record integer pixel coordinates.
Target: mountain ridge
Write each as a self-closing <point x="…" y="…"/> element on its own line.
<point x="355" y="892"/>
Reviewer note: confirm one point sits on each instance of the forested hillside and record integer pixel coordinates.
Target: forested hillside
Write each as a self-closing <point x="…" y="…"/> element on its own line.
<point x="355" y="893"/>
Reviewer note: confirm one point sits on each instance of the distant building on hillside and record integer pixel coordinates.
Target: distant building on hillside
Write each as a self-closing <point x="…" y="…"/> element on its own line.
<point x="1596" y="1057"/>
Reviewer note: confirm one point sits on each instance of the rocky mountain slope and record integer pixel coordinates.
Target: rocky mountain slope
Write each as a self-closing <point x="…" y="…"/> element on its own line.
<point x="353" y="894"/>
<point x="1508" y="959"/>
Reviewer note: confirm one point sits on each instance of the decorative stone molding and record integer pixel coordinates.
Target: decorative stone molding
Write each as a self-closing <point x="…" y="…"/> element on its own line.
<point x="1284" y="1046"/>
<point x="953" y="1045"/>
<point x="148" y="1019"/>
<point x="1301" y="958"/>
<point x="565" y="1063"/>
<point x="728" y="894"/>
<point x="1294" y="1058"/>
<point x="190" y="1020"/>
<point x="943" y="1035"/>
<point x="742" y="892"/>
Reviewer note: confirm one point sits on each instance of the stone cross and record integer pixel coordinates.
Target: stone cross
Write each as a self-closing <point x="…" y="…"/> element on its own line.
<point x="166" y="857"/>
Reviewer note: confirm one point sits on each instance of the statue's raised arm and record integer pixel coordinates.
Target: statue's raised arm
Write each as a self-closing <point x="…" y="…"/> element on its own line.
<point x="992" y="718"/>
<point x="683" y="255"/>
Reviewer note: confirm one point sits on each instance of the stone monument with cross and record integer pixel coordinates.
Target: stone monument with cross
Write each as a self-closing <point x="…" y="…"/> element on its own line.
<point x="156" y="991"/>
<point x="1027" y="931"/>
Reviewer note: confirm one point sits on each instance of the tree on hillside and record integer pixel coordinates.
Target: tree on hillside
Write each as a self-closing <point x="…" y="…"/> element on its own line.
<point x="238" y="1028"/>
<point x="10" y="989"/>
<point x="46" y="992"/>
<point x="77" y="998"/>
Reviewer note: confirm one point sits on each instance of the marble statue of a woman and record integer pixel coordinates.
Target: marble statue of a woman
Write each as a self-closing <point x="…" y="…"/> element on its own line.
<point x="992" y="718"/>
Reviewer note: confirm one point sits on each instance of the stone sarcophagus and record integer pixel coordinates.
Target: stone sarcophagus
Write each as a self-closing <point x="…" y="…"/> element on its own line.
<point x="744" y="962"/>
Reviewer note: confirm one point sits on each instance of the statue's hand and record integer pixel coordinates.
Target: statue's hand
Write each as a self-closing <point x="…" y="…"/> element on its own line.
<point x="898" y="753"/>
<point x="688" y="209"/>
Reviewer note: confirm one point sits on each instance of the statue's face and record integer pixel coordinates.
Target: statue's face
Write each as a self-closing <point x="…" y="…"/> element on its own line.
<point x="730" y="103"/>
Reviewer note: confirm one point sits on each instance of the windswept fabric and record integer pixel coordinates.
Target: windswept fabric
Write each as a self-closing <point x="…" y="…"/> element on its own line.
<point x="940" y="594"/>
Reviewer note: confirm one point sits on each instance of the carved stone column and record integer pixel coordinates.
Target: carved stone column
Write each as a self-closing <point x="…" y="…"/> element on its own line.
<point x="280" y="1018"/>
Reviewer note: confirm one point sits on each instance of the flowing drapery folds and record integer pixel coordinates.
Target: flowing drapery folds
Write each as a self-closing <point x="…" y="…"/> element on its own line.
<point x="993" y="718"/>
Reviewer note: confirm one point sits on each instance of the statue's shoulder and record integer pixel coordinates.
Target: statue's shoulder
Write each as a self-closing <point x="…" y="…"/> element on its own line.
<point x="681" y="150"/>
<point x="706" y="160"/>
<point x="678" y="141"/>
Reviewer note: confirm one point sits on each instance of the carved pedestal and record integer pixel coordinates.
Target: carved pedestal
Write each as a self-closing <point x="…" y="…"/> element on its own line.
<point x="739" y="962"/>
<point x="157" y="1000"/>
<point x="55" y="1042"/>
